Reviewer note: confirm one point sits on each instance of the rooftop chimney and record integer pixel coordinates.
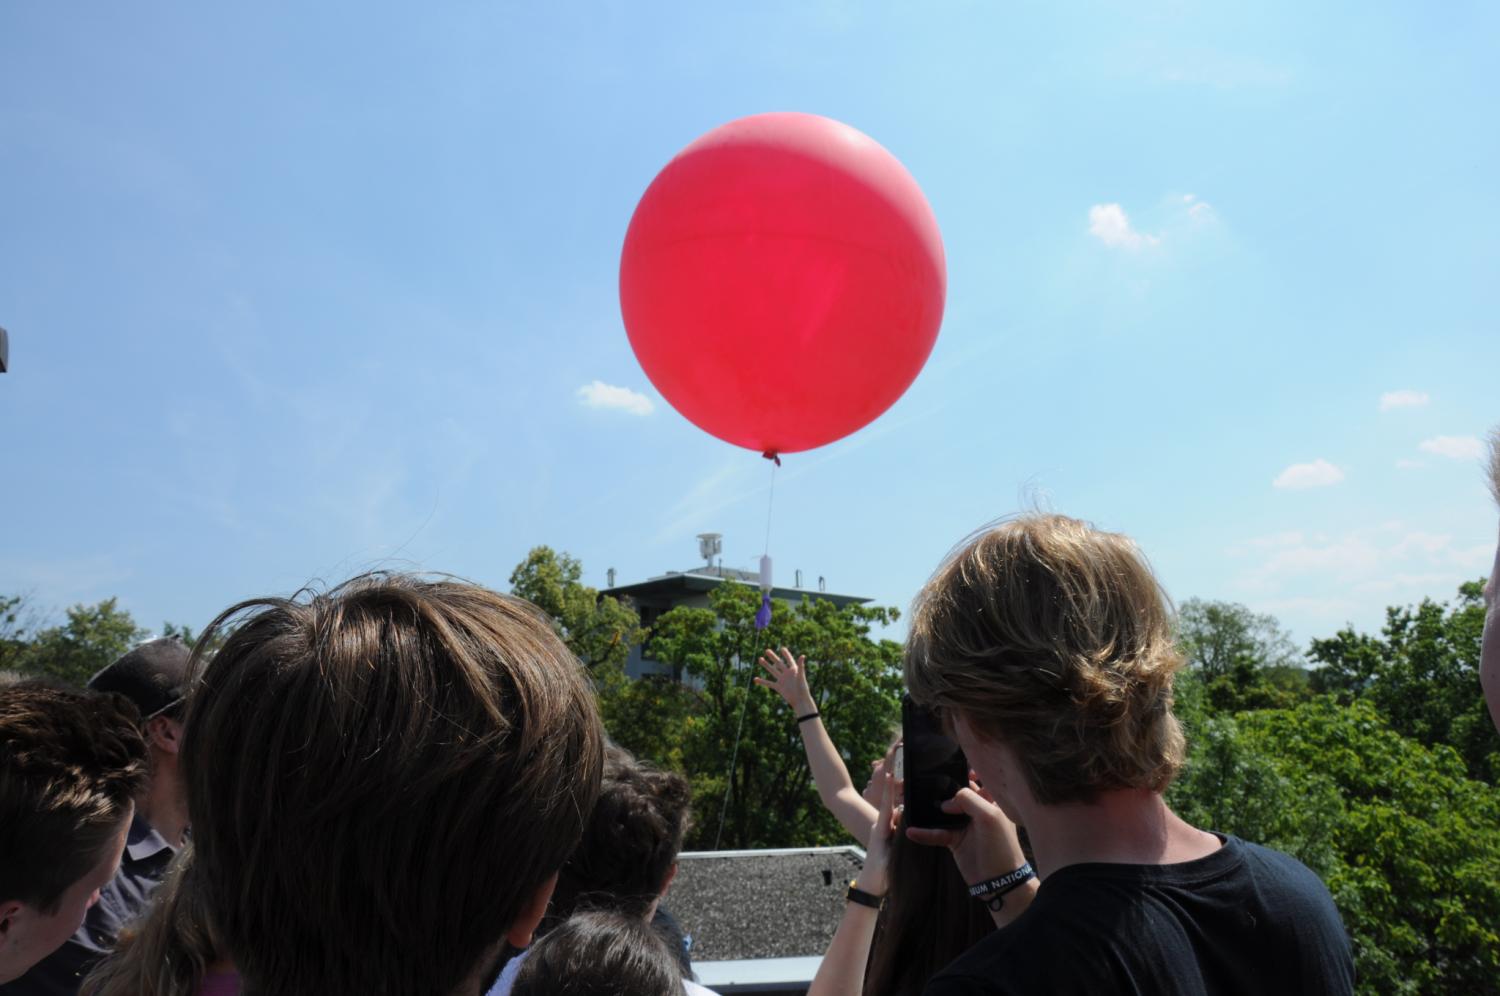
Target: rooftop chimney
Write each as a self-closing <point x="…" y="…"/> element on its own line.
<point x="610" y="578"/>
<point x="822" y="583"/>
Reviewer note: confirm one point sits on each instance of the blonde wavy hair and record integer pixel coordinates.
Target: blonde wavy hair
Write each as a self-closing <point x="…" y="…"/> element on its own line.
<point x="169" y="950"/>
<point x="1054" y="638"/>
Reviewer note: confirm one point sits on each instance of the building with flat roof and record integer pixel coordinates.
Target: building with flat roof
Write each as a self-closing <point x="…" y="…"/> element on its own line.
<point x="655" y="596"/>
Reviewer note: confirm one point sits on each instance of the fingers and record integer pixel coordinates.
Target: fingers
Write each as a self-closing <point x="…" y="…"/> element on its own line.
<point x="971" y="803"/>
<point x="787" y="658"/>
<point x="931" y="837"/>
<point x="763" y="682"/>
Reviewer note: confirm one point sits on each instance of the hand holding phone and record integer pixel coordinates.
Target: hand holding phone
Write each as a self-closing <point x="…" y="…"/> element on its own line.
<point x="932" y="768"/>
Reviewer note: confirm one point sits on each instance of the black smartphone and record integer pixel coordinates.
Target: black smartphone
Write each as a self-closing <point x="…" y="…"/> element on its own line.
<point x="933" y="769"/>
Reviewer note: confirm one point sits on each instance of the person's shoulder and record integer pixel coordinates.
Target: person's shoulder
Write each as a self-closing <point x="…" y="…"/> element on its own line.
<point x="1279" y="871"/>
<point x="1016" y="959"/>
<point x="694" y="989"/>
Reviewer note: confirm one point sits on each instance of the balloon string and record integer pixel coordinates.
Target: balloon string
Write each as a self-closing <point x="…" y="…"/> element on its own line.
<point x="734" y="757"/>
<point x="770" y="503"/>
<point x="739" y="730"/>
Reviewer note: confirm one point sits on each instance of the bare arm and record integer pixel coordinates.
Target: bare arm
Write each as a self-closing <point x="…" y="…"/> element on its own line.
<point x="842" y="972"/>
<point x="788" y="678"/>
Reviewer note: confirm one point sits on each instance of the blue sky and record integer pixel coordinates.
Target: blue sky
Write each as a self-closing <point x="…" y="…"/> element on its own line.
<point x="311" y="288"/>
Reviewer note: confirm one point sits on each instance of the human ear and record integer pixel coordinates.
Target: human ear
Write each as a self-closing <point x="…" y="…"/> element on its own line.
<point x="9" y="910"/>
<point x="165" y="734"/>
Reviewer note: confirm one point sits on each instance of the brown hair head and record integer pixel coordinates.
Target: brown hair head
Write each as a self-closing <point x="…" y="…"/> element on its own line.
<point x="380" y="778"/>
<point x="71" y="764"/>
<point x="600" y="954"/>
<point x="629" y="843"/>
<point x="1055" y="639"/>
<point x="928" y="919"/>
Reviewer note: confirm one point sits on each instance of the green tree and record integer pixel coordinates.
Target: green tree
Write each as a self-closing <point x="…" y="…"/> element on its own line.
<point x="599" y="630"/>
<point x="91" y="637"/>
<point x="18" y="621"/>
<point x="771" y="800"/>
<point x="1244" y="660"/>
<point x="1422" y="673"/>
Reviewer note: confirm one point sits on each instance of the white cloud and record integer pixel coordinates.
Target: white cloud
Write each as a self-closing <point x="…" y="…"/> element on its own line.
<point x="1318" y="474"/>
<point x="1201" y="211"/>
<point x="1404" y="464"/>
<point x="1454" y="447"/>
<point x="598" y="394"/>
<point x="1404" y="398"/>
<point x="1109" y="224"/>
<point x="1369" y="559"/>
<point x="1317" y="581"/>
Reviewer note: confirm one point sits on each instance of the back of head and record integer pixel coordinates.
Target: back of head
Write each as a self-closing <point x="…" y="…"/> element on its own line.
<point x="629" y="843"/>
<point x="928" y="919"/>
<point x="71" y="764"/>
<point x="1054" y="638"/>
<point x="380" y="779"/>
<point x="154" y="676"/>
<point x="169" y="950"/>
<point x="600" y="954"/>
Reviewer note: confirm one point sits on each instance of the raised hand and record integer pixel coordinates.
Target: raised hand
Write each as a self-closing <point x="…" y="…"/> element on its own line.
<point x="788" y="678"/>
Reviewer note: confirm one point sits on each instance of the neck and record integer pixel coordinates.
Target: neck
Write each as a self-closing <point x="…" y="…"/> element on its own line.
<point x="164" y="804"/>
<point x="1126" y="826"/>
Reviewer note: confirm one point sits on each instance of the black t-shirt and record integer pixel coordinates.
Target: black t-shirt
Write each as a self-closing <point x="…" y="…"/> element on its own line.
<point x="1242" y="920"/>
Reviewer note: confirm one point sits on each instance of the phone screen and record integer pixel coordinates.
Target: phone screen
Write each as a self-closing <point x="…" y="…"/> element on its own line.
<point x="934" y="769"/>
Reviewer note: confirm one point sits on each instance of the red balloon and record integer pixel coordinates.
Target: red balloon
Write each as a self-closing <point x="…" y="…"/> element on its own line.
<point x="782" y="281"/>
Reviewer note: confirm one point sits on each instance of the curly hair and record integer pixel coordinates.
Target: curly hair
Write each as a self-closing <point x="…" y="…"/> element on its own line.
<point x="629" y="843"/>
<point x="1055" y="639"/>
<point x="71" y="765"/>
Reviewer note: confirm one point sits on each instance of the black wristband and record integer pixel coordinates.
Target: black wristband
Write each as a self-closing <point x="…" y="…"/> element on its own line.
<point x="992" y="889"/>
<point x="812" y="715"/>
<point x="858" y="895"/>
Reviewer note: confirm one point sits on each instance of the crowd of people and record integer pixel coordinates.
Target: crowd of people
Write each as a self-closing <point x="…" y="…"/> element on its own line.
<point x="402" y="786"/>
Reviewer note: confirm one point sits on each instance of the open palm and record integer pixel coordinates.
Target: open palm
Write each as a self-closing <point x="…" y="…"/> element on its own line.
<point x="787" y="678"/>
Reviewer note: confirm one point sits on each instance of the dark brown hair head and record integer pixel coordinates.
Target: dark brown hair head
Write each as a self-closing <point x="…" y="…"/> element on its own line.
<point x="380" y="778"/>
<point x="629" y="843"/>
<point x="71" y="764"/>
<point x="600" y="954"/>
<point x="1054" y="638"/>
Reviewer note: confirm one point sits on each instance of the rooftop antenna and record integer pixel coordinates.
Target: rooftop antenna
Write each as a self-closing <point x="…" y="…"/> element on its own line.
<point x="610" y="578"/>
<point x="710" y="545"/>
<point x="4" y="351"/>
